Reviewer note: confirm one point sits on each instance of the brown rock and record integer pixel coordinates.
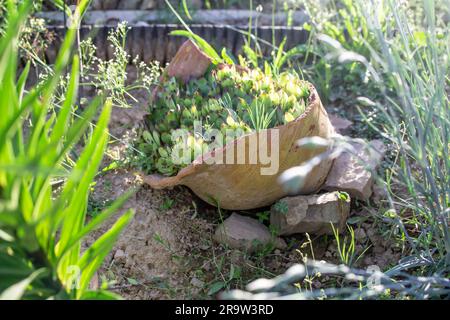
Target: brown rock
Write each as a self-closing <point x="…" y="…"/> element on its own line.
<point x="120" y="256"/>
<point x="340" y="124"/>
<point x="353" y="172"/>
<point x="360" y="234"/>
<point x="312" y="213"/>
<point x="245" y="233"/>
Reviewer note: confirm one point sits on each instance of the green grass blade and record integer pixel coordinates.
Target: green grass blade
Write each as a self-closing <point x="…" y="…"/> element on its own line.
<point x="16" y="291"/>
<point x="96" y="222"/>
<point x="201" y="43"/>
<point x="22" y="81"/>
<point x="92" y="259"/>
<point x="61" y="124"/>
<point x="87" y="165"/>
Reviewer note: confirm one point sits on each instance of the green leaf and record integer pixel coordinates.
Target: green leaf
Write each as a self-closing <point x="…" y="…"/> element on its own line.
<point x="278" y="62"/>
<point x="251" y="55"/>
<point x="186" y="10"/>
<point x="132" y="281"/>
<point x="15" y="21"/>
<point x="6" y="236"/>
<point x="96" y="222"/>
<point x="61" y="124"/>
<point x="16" y="291"/>
<point x="100" y="295"/>
<point x="61" y="5"/>
<point x="201" y="43"/>
<point x="421" y="38"/>
<point x="96" y="253"/>
<point x="216" y="287"/>
<point x="226" y="58"/>
<point x="22" y="81"/>
<point x="77" y="187"/>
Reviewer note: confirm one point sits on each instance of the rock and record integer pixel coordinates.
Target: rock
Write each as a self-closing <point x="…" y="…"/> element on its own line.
<point x="368" y="261"/>
<point x="340" y="124"/>
<point x="312" y="213"/>
<point x="245" y="233"/>
<point x="353" y="173"/>
<point x="379" y="193"/>
<point x="197" y="283"/>
<point x="120" y="256"/>
<point x="360" y="234"/>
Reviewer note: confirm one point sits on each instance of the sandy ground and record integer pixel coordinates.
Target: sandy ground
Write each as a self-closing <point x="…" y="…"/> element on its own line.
<point x="167" y="251"/>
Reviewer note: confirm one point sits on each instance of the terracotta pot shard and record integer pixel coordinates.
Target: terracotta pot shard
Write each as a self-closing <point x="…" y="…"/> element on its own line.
<point x="235" y="185"/>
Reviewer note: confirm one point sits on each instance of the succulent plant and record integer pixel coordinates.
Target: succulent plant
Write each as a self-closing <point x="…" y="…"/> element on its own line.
<point x="226" y="98"/>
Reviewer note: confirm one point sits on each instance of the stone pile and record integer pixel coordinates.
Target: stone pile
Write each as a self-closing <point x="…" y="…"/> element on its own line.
<point x="351" y="176"/>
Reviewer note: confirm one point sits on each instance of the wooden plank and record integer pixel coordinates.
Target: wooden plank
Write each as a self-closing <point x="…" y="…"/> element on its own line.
<point x="172" y="43"/>
<point x="100" y="41"/>
<point x="148" y="47"/>
<point x="138" y="42"/>
<point x="153" y="42"/>
<point x="230" y="40"/>
<point x="218" y="38"/>
<point x="160" y="49"/>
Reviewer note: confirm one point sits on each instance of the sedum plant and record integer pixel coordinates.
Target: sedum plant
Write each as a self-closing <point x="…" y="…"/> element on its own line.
<point x="42" y="227"/>
<point x="228" y="97"/>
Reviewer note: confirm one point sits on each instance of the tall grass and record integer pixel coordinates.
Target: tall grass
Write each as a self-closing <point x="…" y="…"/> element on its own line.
<point x="406" y="66"/>
<point x="414" y="61"/>
<point x="41" y="228"/>
<point x="406" y="62"/>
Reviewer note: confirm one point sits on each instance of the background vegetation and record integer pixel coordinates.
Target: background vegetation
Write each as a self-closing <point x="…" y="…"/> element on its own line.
<point x="386" y="63"/>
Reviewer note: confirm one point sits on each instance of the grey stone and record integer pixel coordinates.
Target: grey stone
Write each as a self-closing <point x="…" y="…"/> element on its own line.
<point x="353" y="172"/>
<point x="311" y="213"/>
<point x="245" y="233"/>
<point x="197" y="282"/>
<point x="120" y="256"/>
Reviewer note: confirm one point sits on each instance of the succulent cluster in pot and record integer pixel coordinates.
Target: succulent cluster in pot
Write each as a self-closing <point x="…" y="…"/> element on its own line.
<point x="226" y="98"/>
